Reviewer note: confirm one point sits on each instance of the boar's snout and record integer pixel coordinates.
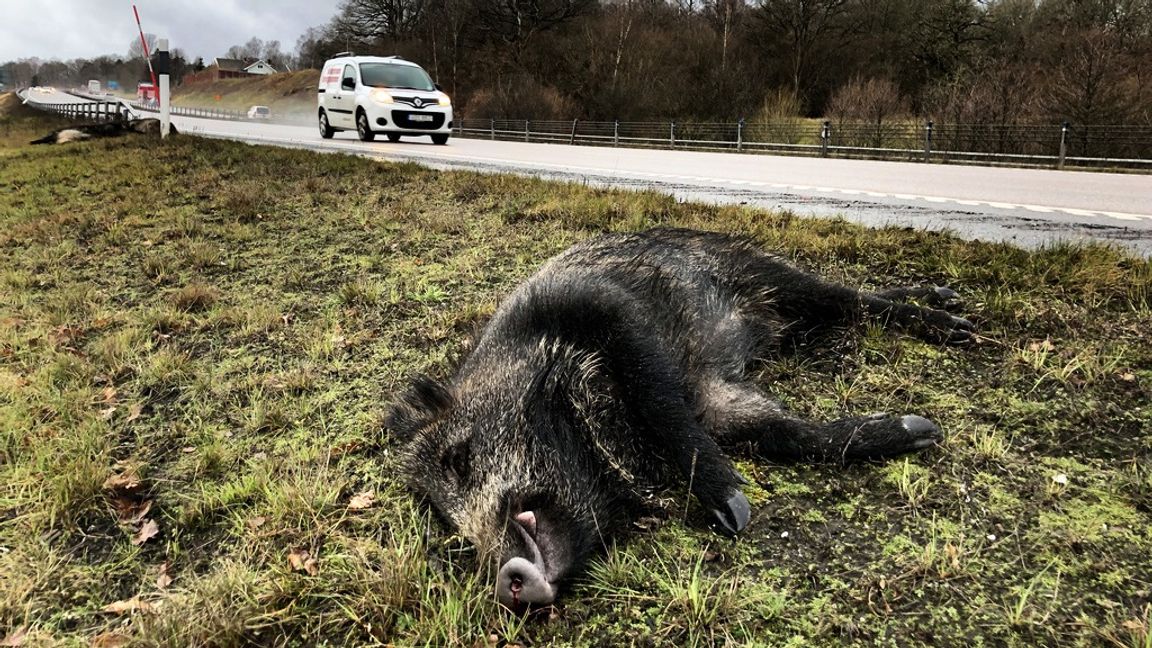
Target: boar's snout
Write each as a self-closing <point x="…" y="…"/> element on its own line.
<point x="520" y="582"/>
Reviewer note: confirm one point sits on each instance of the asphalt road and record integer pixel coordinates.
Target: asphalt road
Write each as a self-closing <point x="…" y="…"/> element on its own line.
<point x="1028" y="207"/>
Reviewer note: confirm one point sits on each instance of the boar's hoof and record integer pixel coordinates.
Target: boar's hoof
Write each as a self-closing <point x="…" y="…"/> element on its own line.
<point x="522" y="583"/>
<point x="947" y="298"/>
<point x="924" y="433"/>
<point x="734" y="516"/>
<point x="962" y="331"/>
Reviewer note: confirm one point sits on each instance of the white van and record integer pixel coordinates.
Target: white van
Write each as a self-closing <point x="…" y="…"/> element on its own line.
<point x="374" y="94"/>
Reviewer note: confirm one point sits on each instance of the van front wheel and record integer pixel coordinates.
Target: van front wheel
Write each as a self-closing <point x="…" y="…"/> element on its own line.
<point x="363" y="128"/>
<point x="439" y="139"/>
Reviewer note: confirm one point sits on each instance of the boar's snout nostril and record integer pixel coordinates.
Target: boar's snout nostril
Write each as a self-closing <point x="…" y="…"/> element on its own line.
<point x="522" y="582"/>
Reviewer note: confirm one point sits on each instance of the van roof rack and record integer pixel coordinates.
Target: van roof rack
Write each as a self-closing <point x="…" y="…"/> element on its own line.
<point x="339" y="54"/>
<point x="397" y="57"/>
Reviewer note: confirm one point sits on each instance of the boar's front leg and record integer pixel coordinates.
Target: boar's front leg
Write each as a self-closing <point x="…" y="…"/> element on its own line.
<point x="654" y="400"/>
<point x="647" y="385"/>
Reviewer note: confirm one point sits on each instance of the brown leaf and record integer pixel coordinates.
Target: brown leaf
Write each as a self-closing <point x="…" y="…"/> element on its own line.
<point x="109" y="640"/>
<point x="134" y="412"/>
<point x="131" y="511"/>
<point x="108" y="395"/>
<point x="1044" y="345"/>
<point x="361" y="501"/>
<point x="301" y="560"/>
<point x="123" y="484"/>
<point x="106" y="414"/>
<point x="16" y="638"/>
<point x="256" y="522"/>
<point x="164" y="579"/>
<point x="133" y="604"/>
<point x="148" y="531"/>
<point x="1128" y="377"/>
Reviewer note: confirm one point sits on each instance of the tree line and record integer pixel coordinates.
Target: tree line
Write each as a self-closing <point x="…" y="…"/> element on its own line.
<point x="972" y="61"/>
<point x="877" y="61"/>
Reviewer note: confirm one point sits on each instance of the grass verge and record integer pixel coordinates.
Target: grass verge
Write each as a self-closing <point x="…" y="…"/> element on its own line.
<point x="198" y="340"/>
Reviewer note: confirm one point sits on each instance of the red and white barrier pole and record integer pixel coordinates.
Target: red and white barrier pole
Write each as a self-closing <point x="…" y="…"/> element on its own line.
<point x="144" y="44"/>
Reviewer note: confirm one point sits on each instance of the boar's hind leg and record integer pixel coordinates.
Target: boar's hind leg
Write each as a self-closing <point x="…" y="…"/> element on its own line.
<point x="812" y="302"/>
<point x="741" y="415"/>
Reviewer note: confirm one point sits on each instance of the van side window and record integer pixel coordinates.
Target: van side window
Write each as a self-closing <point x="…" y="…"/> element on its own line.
<point x="349" y="74"/>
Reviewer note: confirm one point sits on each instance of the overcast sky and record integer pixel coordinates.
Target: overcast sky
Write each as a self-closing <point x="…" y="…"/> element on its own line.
<point x="67" y="29"/>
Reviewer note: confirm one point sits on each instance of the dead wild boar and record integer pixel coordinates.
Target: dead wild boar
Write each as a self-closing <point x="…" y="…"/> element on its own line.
<point x="623" y="364"/>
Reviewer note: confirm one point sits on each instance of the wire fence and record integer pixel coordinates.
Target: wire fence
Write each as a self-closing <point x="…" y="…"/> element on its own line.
<point x="1022" y="145"/>
<point x="1090" y="146"/>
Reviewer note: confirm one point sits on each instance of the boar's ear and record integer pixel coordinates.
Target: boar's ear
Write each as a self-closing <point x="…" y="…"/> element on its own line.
<point x="425" y="401"/>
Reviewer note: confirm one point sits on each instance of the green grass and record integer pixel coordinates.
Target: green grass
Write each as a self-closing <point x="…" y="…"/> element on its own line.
<point x="210" y="333"/>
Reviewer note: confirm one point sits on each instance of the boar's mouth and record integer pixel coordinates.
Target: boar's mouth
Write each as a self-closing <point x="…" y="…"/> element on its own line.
<point x="529" y="578"/>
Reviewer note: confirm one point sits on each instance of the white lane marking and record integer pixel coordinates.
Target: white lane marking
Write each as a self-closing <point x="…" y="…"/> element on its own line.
<point x="408" y="153"/>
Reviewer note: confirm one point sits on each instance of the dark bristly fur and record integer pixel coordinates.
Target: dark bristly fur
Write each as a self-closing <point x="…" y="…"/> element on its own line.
<point x="621" y="364"/>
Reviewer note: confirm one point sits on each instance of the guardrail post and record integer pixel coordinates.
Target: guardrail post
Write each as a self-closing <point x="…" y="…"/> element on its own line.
<point x="1063" y="145"/>
<point x="740" y="135"/>
<point x="927" y="140"/>
<point x="526" y="130"/>
<point x="672" y="134"/>
<point x="616" y="133"/>
<point x="572" y="136"/>
<point x="825" y="135"/>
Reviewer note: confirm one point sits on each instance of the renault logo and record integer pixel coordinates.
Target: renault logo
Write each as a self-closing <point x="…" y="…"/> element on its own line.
<point x="418" y="103"/>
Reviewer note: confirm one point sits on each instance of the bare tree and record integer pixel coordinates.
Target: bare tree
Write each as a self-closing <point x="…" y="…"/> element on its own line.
<point x="373" y="20"/>
<point x="136" y="49"/>
<point x="802" y="27"/>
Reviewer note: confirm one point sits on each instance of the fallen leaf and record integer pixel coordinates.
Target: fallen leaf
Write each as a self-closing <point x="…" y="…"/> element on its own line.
<point x="1045" y="345"/>
<point x="106" y="414"/>
<point x="16" y="638"/>
<point x="257" y="522"/>
<point x="130" y="511"/>
<point x="361" y="501"/>
<point x="133" y="604"/>
<point x="109" y="640"/>
<point x="124" y="483"/>
<point x="301" y="560"/>
<point x="148" y="531"/>
<point x="134" y="412"/>
<point x="1128" y="377"/>
<point x="108" y="394"/>
<point x="164" y="579"/>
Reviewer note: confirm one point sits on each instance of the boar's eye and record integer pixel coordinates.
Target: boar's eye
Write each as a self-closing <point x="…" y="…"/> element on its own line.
<point x="456" y="459"/>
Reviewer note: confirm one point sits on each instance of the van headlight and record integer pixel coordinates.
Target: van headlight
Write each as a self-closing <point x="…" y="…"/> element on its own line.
<point x="443" y="100"/>
<point x="381" y="96"/>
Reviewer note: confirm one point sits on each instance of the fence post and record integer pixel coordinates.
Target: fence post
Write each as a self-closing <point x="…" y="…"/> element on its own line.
<point x="526" y="121"/>
<point x="572" y="137"/>
<point x="740" y="135"/>
<point x="672" y="134"/>
<point x="825" y="135"/>
<point x="492" y="129"/>
<point x="616" y="133"/>
<point x="1063" y="145"/>
<point x="927" y="140"/>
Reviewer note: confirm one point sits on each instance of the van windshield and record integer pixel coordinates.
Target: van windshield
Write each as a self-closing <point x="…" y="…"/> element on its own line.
<point x="387" y="75"/>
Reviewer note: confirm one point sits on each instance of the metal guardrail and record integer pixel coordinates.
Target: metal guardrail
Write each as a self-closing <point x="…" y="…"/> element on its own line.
<point x="88" y="110"/>
<point x="1018" y="145"/>
<point x="219" y="113"/>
